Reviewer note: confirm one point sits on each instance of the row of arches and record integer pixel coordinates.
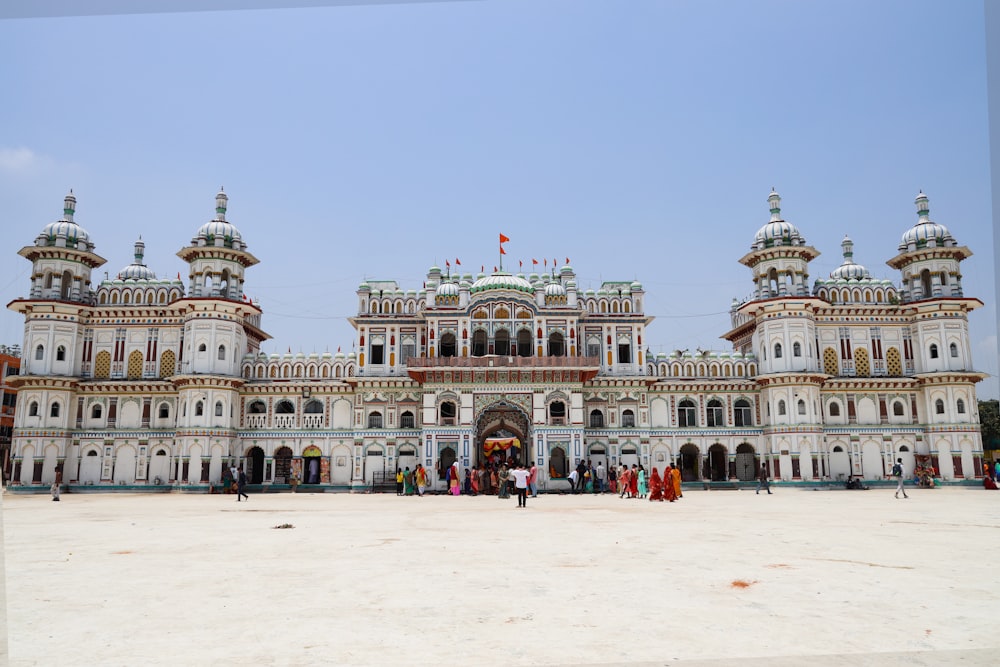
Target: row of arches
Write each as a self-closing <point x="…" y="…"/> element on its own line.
<point x="701" y="369"/>
<point x="606" y="306"/>
<point x="289" y="370"/>
<point x="138" y="296"/>
<point x="392" y="306"/>
<point x="857" y="295"/>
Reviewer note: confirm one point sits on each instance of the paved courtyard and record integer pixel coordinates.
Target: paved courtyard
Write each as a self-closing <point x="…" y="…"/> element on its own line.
<point x="799" y="577"/>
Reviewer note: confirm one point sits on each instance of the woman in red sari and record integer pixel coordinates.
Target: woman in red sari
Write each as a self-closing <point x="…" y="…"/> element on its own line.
<point x="655" y="486"/>
<point x="633" y="482"/>
<point x="668" y="486"/>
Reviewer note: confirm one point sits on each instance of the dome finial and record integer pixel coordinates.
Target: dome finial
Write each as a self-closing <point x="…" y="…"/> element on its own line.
<point x="69" y="206"/>
<point x="848" y="247"/>
<point x="923" y="207"/>
<point x="775" y="202"/>
<point x="140" y="248"/>
<point x="220" y="205"/>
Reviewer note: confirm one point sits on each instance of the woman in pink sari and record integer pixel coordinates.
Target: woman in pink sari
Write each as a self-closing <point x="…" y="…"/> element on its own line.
<point x="655" y="486"/>
<point x="453" y="486"/>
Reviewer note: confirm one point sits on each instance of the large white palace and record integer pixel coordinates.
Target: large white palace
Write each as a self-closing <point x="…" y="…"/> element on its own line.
<point x="148" y="382"/>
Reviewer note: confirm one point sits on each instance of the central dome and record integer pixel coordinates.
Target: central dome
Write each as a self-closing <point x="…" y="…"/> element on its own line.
<point x="501" y="280"/>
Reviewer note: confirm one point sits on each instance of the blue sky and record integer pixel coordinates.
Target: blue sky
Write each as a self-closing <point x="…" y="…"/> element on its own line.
<point x="639" y="139"/>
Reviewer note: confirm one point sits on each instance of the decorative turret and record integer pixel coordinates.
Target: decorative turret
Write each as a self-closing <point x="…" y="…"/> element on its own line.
<point x="218" y="256"/>
<point x="779" y="257"/>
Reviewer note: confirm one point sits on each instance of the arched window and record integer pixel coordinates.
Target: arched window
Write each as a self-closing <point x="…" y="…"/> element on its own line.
<point x="95" y="412"/>
<point x="897" y="408"/>
<point x="199" y="409"/>
<point x="284" y="407"/>
<point x="777" y="350"/>
<point x="933" y="351"/>
<point x="218" y="408"/>
<point x="801" y="407"/>
<point x="834" y="409"/>
<point x="313" y="407"/>
<point x="742" y="414"/>
<point x="960" y="406"/>
<point x="953" y="350"/>
<point x="781" y="408"/>
<point x="222" y="353"/>
<point x="60" y="353"/>
<point x="164" y="411"/>
<point x="33" y="409"/>
<point x="557" y="347"/>
<point x="939" y="407"/>
<point x="448" y="347"/>
<point x="202" y="348"/>
<point x="257" y="408"/>
<point x="524" y="348"/>
<point x="687" y="414"/>
<point x="596" y="419"/>
<point x="479" y="343"/>
<point x="501" y="343"/>
<point x="375" y="420"/>
<point x="628" y="419"/>
<point x="796" y="349"/>
<point x="39" y="353"/>
<point x="448" y="413"/>
<point x="714" y="413"/>
<point x="54" y="410"/>
<point x="557" y="412"/>
<point x="406" y="420"/>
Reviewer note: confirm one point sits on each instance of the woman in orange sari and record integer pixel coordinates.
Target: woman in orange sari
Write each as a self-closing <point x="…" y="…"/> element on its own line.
<point x="676" y="478"/>
<point x="655" y="486"/>
<point x="668" y="485"/>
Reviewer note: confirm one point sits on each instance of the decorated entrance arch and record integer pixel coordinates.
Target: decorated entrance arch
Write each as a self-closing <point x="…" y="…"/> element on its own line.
<point x="502" y="431"/>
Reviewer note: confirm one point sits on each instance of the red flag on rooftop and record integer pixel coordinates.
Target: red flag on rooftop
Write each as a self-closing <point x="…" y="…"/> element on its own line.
<point x="494" y="269"/>
<point x="545" y="262"/>
<point x="447" y="264"/>
<point x="457" y="263"/>
<point x="520" y="264"/>
<point x="534" y="262"/>
<point x="503" y="239"/>
<point x="567" y="260"/>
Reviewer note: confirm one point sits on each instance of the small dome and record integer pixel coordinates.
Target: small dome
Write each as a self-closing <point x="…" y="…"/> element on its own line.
<point x="137" y="270"/>
<point x="502" y="281"/>
<point x="636" y="286"/>
<point x="555" y="289"/>
<point x="925" y="232"/>
<point x="65" y="228"/>
<point x="448" y="289"/>
<point x="777" y="232"/>
<point x="219" y="228"/>
<point x="849" y="270"/>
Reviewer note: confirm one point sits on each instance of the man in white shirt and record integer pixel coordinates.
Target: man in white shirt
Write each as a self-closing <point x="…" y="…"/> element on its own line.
<point x="602" y="478"/>
<point x="520" y="476"/>
<point x="572" y="477"/>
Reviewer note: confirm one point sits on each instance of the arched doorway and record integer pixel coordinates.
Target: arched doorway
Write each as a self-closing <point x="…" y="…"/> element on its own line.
<point x="909" y="461"/>
<point x="507" y="428"/>
<point x="90" y="467"/>
<point x="311" y="465"/>
<point x="598" y="455"/>
<point x="255" y="465"/>
<point x="282" y="465"/>
<point x="688" y="461"/>
<point x="872" y="465"/>
<point x="630" y="456"/>
<point x="446" y="460"/>
<point x="717" y="459"/>
<point x="558" y="463"/>
<point x="840" y="464"/>
<point x="746" y="463"/>
<point x="407" y="457"/>
<point x="159" y="467"/>
<point x="374" y="462"/>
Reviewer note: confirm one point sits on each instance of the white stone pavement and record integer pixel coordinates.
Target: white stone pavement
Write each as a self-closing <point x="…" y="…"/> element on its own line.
<point x="801" y="577"/>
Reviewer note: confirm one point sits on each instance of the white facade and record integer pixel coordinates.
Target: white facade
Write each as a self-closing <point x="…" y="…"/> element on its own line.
<point x="140" y="381"/>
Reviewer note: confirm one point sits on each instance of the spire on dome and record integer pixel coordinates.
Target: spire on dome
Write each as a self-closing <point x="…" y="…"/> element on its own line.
<point x="848" y="246"/>
<point x="69" y="206"/>
<point x="923" y="207"/>
<point x="220" y="205"/>
<point x="775" y="201"/>
<point x="140" y="248"/>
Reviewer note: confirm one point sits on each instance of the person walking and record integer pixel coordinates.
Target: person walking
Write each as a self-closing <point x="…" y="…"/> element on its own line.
<point x="581" y="468"/>
<point x="897" y="472"/>
<point x="762" y="481"/>
<point x="675" y="478"/>
<point x="241" y="486"/>
<point x="520" y="476"/>
<point x="602" y="478"/>
<point x="533" y="480"/>
<point x="399" y="481"/>
<point x="642" y="487"/>
<point x="996" y="471"/>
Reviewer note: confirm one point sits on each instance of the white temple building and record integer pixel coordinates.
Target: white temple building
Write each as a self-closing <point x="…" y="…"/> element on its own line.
<point x="155" y="383"/>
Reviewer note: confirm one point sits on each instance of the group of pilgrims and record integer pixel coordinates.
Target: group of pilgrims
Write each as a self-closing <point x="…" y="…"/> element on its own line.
<point x="627" y="482"/>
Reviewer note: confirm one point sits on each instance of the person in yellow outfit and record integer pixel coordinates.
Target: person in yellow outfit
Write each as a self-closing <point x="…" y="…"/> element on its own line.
<point x="675" y="475"/>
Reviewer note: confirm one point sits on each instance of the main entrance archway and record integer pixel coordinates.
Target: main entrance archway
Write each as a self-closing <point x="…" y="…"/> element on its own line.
<point x="506" y="426"/>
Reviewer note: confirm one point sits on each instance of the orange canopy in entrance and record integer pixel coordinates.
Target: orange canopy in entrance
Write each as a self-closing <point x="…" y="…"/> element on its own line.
<point x="493" y="444"/>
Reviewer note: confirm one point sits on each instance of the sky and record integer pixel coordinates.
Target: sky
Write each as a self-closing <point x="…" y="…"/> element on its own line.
<point x="638" y="139"/>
